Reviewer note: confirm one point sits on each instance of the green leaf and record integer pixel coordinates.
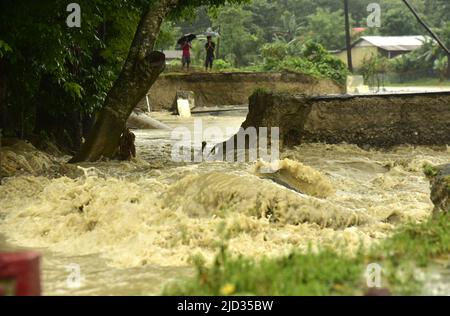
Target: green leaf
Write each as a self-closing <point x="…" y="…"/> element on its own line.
<point x="74" y="89"/>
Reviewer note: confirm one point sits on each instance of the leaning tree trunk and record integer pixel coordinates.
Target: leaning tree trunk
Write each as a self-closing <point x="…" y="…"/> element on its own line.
<point x="140" y="71"/>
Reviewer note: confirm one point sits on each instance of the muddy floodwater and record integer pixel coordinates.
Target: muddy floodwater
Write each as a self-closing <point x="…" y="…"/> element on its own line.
<point x="132" y="227"/>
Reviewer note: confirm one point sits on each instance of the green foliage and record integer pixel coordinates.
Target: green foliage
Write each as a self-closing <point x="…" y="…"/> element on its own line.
<point x="428" y="61"/>
<point x="308" y="58"/>
<point x="419" y="243"/>
<point x="221" y="64"/>
<point x="275" y="51"/>
<point x="238" y="41"/>
<point x="297" y="64"/>
<point x="55" y="73"/>
<point x="374" y="70"/>
<point x="168" y="36"/>
<point x="324" y="273"/>
<point x="400" y="21"/>
<point x="4" y="49"/>
<point x="289" y="29"/>
<point x="441" y="66"/>
<point x="327" y="28"/>
<point x="429" y="170"/>
<point x="74" y="90"/>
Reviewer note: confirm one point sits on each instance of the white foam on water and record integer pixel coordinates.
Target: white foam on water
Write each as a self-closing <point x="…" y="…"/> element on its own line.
<point x="144" y="213"/>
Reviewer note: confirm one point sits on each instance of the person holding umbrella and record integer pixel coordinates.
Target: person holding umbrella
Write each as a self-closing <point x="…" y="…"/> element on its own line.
<point x="186" y="58"/>
<point x="185" y="43"/>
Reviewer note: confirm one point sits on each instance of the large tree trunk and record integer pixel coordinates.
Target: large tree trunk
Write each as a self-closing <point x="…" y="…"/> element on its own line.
<point x="141" y="69"/>
<point x="3" y="95"/>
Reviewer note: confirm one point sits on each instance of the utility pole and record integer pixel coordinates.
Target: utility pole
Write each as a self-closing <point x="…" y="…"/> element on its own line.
<point x="429" y="30"/>
<point x="348" y="39"/>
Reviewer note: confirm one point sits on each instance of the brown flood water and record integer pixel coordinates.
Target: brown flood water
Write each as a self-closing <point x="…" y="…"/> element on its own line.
<point x="133" y="226"/>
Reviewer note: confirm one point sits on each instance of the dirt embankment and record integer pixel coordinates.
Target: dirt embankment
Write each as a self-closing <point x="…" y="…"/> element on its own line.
<point x="380" y="121"/>
<point x="440" y="189"/>
<point x="217" y="89"/>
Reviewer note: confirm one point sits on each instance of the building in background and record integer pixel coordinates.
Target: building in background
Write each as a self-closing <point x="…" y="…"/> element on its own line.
<point x="173" y="55"/>
<point x="386" y="46"/>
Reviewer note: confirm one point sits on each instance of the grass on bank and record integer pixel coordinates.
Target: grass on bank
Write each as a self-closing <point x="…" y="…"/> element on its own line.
<point x="327" y="272"/>
<point x="429" y="171"/>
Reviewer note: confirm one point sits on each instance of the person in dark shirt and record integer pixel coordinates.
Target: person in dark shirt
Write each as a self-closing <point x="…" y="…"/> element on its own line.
<point x="210" y="48"/>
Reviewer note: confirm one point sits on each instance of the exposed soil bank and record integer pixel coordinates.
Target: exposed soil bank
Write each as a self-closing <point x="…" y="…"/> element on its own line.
<point x="380" y="121"/>
<point x="440" y="189"/>
<point x="212" y="89"/>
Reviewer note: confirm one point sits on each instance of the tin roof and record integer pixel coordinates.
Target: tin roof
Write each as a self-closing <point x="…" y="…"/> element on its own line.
<point x="393" y="43"/>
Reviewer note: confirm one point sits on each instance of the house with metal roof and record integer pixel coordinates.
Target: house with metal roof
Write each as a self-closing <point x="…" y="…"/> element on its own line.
<point x="387" y="46"/>
<point x="173" y="55"/>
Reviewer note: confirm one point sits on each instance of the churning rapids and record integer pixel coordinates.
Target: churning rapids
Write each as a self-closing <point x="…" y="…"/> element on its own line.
<point x="133" y="226"/>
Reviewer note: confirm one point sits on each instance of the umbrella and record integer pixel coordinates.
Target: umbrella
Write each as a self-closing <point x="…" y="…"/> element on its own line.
<point x="187" y="38"/>
<point x="210" y="32"/>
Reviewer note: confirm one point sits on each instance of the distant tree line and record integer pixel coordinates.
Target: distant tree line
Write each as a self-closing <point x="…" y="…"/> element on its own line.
<point x="246" y="29"/>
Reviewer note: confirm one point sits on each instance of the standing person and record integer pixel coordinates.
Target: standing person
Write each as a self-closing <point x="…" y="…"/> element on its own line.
<point x="210" y="48"/>
<point x="186" y="59"/>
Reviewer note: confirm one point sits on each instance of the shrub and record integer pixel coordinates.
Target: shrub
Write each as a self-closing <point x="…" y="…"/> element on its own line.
<point x="220" y="64"/>
<point x="309" y="58"/>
